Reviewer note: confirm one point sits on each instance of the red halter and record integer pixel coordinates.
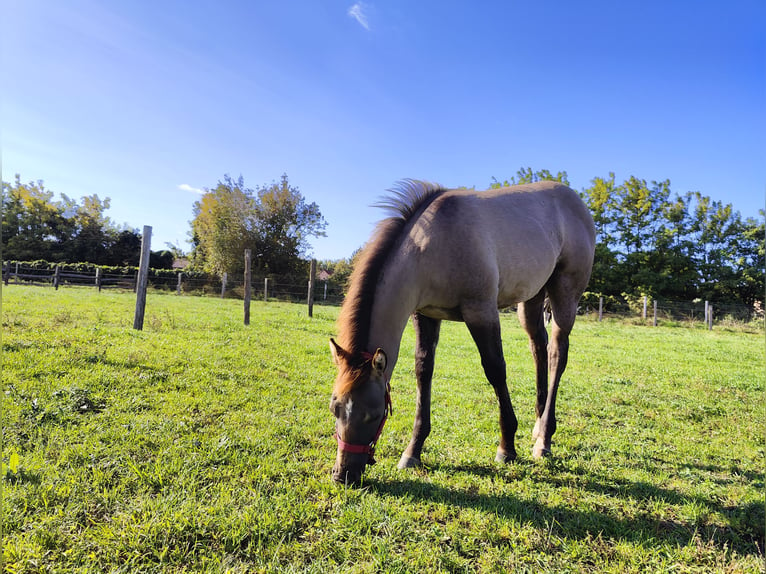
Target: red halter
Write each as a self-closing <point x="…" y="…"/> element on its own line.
<point x="368" y="449"/>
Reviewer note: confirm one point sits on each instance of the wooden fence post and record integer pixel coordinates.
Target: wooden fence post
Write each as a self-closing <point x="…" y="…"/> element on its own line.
<point x="312" y="279"/>
<point x="710" y="318"/>
<point x="143" y="278"/>
<point x="707" y="310"/>
<point x="266" y="290"/>
<point x="248" y="278"/>
<point x="57" y="277"/>
<point x="7" y="272"/>
<point x="600" y="308"/>
<point x="98" y="278"/>
<point x="645" y="302"/>
<point x="655" y="313"/>
<point x="224" y="279"/>
<point x="180" y="278"/>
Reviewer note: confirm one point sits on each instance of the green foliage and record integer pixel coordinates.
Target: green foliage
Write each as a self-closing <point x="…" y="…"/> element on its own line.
<point x="35" y="226"/>
<point x="284" y="224"/>
<point x="678" y="247"/>
<point x="223" y="227"/>
<point x="274" y="222"/>
<point x="526" y="175"/>
<point x="161" y="259"/>
<point x="206" y="446"/>
<point x="340" y="273"/>
<point x="673" y="247"/>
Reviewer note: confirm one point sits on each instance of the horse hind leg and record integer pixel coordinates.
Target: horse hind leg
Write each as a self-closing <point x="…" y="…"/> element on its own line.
<point x="426" y="339"/>
<point x="564" y="308"/>
<point x="532" y="318"/>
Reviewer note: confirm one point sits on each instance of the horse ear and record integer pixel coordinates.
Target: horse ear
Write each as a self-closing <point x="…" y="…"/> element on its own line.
<point x="336" y="351"/>
<point x="379" y="360"/>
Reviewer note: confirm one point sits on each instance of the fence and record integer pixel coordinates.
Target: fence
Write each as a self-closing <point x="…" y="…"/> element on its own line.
<point x="293" y="289"/>
<point x="272" y="287"/>
<point x="647" y="309"/>
<point x="59" y="276"/>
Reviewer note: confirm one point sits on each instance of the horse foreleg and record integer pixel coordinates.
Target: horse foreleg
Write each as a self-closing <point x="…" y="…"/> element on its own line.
<point x="485" y="330"/>
<point x="426" y="339"/>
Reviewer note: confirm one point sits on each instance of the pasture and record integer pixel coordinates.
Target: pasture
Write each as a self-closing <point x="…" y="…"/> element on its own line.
<point x="201" y="445"/>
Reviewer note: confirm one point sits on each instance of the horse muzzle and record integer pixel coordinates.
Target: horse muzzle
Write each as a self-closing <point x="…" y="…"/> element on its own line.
<point x="349" y="472"/>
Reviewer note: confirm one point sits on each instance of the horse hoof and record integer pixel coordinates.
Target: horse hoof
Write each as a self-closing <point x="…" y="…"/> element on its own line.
<point x="409" y="462"/>
<point x="541" y="452"/>
<point x="505" y="457"/>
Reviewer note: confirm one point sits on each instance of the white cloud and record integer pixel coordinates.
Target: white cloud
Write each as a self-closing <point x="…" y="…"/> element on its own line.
<point x="189" y="188"/>
<point x="359" y="13"/>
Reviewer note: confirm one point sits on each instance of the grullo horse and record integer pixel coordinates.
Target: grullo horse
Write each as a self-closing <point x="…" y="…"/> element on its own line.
<point x="458" y="255"/>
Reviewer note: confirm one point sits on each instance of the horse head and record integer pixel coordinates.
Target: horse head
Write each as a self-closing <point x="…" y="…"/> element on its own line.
<point x="361" y="402"/>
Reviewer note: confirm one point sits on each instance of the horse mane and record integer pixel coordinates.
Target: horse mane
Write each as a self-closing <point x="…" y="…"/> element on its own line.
<point x="405" y="202"/>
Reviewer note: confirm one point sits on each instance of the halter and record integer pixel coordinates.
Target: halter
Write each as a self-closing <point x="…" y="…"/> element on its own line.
<point x="369" y="448"/>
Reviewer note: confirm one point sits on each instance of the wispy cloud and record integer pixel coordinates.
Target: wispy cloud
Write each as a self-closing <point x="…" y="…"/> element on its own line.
<point x="359" y="13"/>
<point x="189" y="188"/>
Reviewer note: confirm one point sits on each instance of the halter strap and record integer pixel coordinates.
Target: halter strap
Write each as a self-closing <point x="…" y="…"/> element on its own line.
<point x="368" y="449"/>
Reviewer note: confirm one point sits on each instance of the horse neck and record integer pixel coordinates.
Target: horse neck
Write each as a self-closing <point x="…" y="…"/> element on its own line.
<point x="392" y="306"/>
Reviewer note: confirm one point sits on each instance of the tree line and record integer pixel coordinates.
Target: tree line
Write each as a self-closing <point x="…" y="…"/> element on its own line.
<point x="35" y="226"/>
<point x="650" y="241"/>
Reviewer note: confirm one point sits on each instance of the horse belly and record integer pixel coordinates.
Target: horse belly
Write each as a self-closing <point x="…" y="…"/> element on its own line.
<point x="524" y="269"/>
<point x="442" y="313"/>
<point x="522" y="280"/>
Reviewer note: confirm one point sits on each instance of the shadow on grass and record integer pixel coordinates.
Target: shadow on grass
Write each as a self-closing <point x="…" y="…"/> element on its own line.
<point x="743" y="533"/>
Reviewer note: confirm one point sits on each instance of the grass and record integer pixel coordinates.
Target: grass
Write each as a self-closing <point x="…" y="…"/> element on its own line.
<point x="201" y="445"/>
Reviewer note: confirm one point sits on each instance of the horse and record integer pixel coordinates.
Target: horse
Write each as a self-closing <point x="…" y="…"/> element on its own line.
<point x="457" y="255"/>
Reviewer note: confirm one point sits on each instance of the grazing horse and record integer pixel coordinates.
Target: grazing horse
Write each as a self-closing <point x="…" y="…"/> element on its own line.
<point x="458" y="255"/>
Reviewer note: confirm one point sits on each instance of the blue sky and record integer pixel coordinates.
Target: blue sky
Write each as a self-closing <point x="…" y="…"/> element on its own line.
<point x="149" y="102"/>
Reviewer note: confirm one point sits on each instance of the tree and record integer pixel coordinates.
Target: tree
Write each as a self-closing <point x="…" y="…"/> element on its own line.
<point x="93" y="232"/>
<point x="223" y="227"/>
<point x="526" y="175"/>
<point x="680" y="247"/>
<point x="601" y="198"/>
<point x="750" y="260"/>
<point x="284" y="224"/>
<point x="275" y="222"/>
<point x="126" y="249"/>
<point x="32" y="223"/>
<point x="161" y="259"/>
<point x="35" y="226"/>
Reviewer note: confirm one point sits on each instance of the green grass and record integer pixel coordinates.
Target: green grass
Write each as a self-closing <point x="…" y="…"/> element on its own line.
<point x="199" y="444"/>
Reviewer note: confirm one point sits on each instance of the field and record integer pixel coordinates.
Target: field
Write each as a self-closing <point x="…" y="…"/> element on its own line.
<point x="201" y="445"/>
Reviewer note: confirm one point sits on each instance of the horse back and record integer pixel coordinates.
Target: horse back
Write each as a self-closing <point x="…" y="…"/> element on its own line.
<point x="504" y="243"/>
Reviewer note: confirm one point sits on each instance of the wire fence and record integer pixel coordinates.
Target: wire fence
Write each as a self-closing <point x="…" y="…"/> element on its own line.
<point x="264" y="287"/>
<point x="294" y="289"/>
<point x="656" y="310"/>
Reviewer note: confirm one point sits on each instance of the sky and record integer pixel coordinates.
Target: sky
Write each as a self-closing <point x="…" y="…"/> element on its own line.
<point x="151" y="102"/>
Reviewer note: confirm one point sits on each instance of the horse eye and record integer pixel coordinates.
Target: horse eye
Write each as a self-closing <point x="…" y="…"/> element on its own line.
<point x="335" y="407"/>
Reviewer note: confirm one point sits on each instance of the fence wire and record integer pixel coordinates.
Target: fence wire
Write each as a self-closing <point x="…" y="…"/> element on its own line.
<point x="275" y="288"/>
